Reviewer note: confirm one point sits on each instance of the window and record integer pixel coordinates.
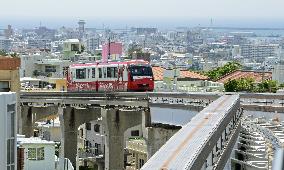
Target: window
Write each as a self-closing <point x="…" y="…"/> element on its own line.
<point x="135" y="133"/>
<point x="4" y="86"/>
<point x="93" y="72"/>
<point x="88" y="126"/>
<point x="40" y="153"/>
<point x="97" y="128"/>
<point x="81" y="73"/>
<point x="50" y="69"/>
<point x="32" y="153"/>
<point x="100" y="73"/>
<point x="10" y="135"/>
<point x="141" y="70"/>
<point x="65" y="71"/>
<point x="36" y="153"/>
<point x="111" y="72"/>
<point x="141" y="163"/>
<point x="97" y="148"/>
<point x="74" y="47"/>
<point x="105" y="72"/>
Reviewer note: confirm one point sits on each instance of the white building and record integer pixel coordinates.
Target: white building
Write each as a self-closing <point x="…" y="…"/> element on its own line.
<point x="71" y="47"/>
<point x="91" y="137"/>
<point x="8" y="131"/>
<point x="278" y="72"/>
<point x="38" y="154"/>
<point x="5" y="44"/>
<point x="41" y="65"/>
<point x="39" y="43"/>
<point x="256" y="50"/>
<point x="92" y="44"/>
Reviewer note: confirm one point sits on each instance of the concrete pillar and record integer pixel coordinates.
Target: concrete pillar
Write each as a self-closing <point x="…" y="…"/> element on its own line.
<point x="29" y="115"/>
<point x="61" y="153"/>
<point x="146" y="118"/>
<point x="72" y="119"/>
<point x="156" y="137"/>
<point x="26" y="121"/>
<point x="100" y="166"/>
<point x="70" y="135"/>
<point x="116" y="122"/>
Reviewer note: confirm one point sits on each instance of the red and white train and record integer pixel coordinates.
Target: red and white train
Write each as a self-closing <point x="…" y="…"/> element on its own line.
<point x="135" y="75"/>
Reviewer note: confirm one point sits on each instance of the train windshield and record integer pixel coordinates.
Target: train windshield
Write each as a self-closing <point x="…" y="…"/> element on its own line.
<point x="141" y="70"/>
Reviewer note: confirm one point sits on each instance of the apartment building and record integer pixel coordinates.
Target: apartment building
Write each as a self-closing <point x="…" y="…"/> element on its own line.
<point x="259" y="51"/>
<point x="8" y="129"/>
<point x="5" y="44"/>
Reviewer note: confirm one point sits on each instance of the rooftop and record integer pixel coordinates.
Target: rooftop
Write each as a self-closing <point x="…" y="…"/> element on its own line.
<point x="9" y="63"/>
<point x="159" y="74"/>
<point x="33" y="140"/>
<point x="256" y="75"/>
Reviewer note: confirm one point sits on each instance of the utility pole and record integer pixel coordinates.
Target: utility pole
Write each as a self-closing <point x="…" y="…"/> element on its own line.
<point x="108" y="48"/>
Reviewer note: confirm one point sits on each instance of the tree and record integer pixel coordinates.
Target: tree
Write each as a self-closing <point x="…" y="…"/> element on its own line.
<point x="14" y="55"/>
<point x="82" y="48"/>
<point x="221" y="71"/>
<point x="3" y="53"/>
<point x="268" y="86"/>
<point x="237" y="85"/>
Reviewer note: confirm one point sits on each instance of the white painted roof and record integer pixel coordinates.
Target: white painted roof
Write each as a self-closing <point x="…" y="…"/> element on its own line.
<point x="33" y="140"/>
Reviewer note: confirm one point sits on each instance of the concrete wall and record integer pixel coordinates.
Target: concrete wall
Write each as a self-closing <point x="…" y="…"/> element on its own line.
<point x="156" y="138"/>
<point x="47" y="164"/>
<point x="116" y="122"/>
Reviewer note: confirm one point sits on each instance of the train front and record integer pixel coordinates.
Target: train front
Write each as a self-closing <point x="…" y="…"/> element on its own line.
<point x="140" y="78"/>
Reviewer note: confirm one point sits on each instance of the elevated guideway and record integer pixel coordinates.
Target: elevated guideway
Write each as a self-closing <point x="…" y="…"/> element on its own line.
<point x="205" y="142"/>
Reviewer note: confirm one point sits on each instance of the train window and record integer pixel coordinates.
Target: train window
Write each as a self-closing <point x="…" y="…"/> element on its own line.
<point x="105" y="72"/>
<point x="93" y="72"/>
<point x="100" y="73"/>
<point x="81" y="73"/>
<point x="141" y="71"/>
<point x="112" y="72"/>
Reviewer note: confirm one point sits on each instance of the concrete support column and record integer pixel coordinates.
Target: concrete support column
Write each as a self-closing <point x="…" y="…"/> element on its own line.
<point x="116" y="122"/>
<point x="26" y="121"/>
<point x="61" y="152"/>
<point x="146" y="118"/>
<point x="72" y="118"/>
<point x="69" y="140"/>
<point x="100" y="166"/>
<point x="156" y="138"/>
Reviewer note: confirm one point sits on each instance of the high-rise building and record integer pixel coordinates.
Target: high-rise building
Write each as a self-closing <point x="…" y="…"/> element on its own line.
<point x="9" y="32"/>
<point x="8" y="131"/>
<point x="259" y="51"/>
<point x="92" y="44"/>
<point x="81" y="28"/>
<point x="39" y="43"/>
<point x="5" y="44"/>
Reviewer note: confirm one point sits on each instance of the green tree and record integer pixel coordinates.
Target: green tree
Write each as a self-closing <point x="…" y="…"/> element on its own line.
<point x="14" y="55"/>
<point x="3" y="53"/>
<point x="268" y="86"/>
<point x="221" y="71"/>
<point x="237" y="85"/>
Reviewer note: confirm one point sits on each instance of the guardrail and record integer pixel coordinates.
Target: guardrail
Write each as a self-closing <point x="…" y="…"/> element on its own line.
<point x="250" y="101"/>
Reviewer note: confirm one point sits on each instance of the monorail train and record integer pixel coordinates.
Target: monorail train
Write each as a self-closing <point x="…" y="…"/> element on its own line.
<point x="134" y="75"/>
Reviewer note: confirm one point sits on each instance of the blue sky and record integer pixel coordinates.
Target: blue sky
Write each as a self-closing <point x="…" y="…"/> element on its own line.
<point x="203" y="10"/>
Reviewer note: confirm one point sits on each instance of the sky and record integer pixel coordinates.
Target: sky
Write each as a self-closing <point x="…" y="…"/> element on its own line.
<point x="134" y="11"/>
